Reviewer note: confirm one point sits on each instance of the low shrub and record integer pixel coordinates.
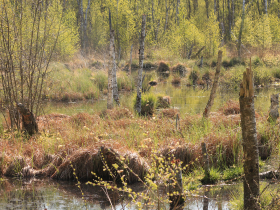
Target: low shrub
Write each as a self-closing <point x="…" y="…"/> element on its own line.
<point x="148" y="104"/>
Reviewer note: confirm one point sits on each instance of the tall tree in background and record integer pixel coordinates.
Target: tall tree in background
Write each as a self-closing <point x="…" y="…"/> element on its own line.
<point x="241" y="29"/>
<point x="110" y="101"/>
<point x="141" y="59"/>
<point x="83" y="17"/>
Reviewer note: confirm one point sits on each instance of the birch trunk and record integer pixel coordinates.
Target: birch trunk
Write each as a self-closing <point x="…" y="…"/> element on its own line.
<point x="110" y="74"/>
<point x="114" y="67"/>
<point x="250" y="144"/>
<point x="214" y="88"/>
<point x="141" y="58"/>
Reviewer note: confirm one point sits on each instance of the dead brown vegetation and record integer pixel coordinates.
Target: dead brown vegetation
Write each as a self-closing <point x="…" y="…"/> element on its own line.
<point x="76" y="141"/>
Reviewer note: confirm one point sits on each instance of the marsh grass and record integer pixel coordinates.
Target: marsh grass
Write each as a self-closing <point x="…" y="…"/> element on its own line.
<point x="63" y="136"/>
<point x="269" y="197"/>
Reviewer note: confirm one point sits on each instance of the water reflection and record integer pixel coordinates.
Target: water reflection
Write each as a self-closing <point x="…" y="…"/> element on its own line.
<point x="50" y="195"/>
<point x="187" y="99"/>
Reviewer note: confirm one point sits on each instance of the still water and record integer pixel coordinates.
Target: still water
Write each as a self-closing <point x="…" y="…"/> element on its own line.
<point x="55" y="195"/>
<point x="187" y="99"/>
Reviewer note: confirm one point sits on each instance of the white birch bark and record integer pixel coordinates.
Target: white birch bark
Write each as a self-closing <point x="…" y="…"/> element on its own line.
<point x="110" y="73"/>
<point x="141" y="59"/>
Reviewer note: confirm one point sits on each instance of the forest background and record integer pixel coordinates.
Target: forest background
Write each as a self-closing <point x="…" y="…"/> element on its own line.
<point x="174" y="27"/>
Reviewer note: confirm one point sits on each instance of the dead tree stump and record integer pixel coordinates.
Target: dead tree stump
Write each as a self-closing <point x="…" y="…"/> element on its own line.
<point x="29" y="123"/>
<point x="250" y="143"/>
<point x="273" y="112"/>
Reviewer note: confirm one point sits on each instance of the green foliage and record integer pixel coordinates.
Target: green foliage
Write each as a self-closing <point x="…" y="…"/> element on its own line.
<point x="232" y="173"/>
<point x="262" y="75"/>
<point x="148" y="104"/>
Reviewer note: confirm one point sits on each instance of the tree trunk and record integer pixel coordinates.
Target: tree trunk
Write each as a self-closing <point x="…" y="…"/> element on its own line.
<point x="29" y="123"/>
<point x="190" y="52"/>
<point x="232" y="15"/>
<point x="214" y="88"/>
<point x="141" y="58"/>
<point x="190" y="9"/>
<point x="114" y="68"/>
<point x="110" y="73"/>
<point x="130" y="60"/>
<point x="207" y="8"/>
<point x="241" y="30"/>
<point x="250" y="144"/>
<point x="195" y="6"/>
<point x="229" y="20"/>
<point x="215" y="6"/>
<point x="265" y="7"/>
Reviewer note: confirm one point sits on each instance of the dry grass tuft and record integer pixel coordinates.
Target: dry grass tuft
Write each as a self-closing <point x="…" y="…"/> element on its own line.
<point x="231" y="107"/>
<point x="82" y="119"/>
<point x="168" y="113"/>
<point x="185" y="153"/>
<point x="117" y="113"/>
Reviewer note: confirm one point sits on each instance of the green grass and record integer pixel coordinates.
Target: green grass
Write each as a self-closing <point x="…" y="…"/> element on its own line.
<point x="232" y="173"/>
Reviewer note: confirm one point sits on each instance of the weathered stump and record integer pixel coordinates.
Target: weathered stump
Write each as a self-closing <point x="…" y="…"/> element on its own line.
<point x="273" y="112"/>
<point x="29" y="123"/>
<point x="250" y="143"/>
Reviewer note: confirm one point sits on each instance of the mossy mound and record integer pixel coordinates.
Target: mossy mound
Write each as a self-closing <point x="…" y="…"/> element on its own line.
<point x="180" y="69"/>
<point x="194" y="77"/>
<point x="163" y="67"/>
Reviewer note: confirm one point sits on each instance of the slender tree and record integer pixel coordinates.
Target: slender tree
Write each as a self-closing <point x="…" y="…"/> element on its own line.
<point x="110" y="100"/>
<point x="215" y="86"/>
<point x="241" y="29"/>
<point x="141" y="59"/>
